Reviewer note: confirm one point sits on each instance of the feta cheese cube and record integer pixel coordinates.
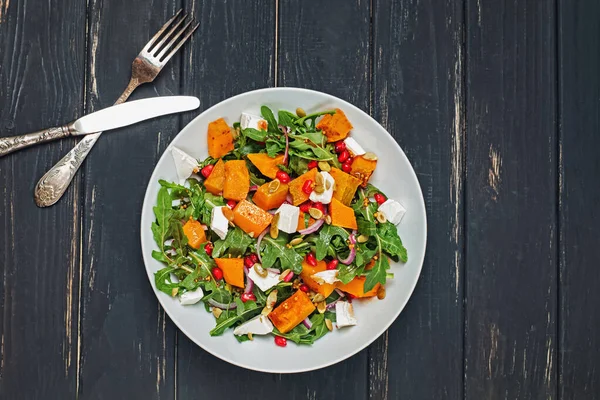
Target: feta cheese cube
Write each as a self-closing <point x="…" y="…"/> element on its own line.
<point x="265" y="283"/>
<point x="288" y="218"/>
<point x="218" y="222"/>
<point x="327" y="194"/>
<point x="191" y="297"/>
<point x="353" y="147"/>
<point x="344" y="314"/>
<point x="184" y="164"/>
<point x="328" y="276"/>
<point x="259" y="325"/>
<point x="252" y="121"/>
<point x="393" y="211"/>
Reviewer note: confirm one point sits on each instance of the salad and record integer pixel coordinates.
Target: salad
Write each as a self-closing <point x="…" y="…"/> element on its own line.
<point x="278" y="231"/>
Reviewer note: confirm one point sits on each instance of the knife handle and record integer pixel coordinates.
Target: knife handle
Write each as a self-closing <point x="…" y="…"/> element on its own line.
<point x="14" y="143"/>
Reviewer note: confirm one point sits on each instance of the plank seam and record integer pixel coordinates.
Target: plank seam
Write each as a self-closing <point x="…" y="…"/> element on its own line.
<point x="559" y="206"/>
<point x="465" y="92"/>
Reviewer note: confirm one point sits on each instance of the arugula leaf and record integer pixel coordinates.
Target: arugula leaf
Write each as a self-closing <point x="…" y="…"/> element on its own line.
<point x="286" y="118"/>
<point x="210" y="201"/>
<point x="230" y="320"/>
<point x="370" y="191"/>
<point x="326" y="234"/>
<point x="163" y="282"/>
<point x="274" y="147"/>
<point x="255" y="134"/>
<point x="267" y="114"/>
<point x="391" y="242"/>
<point x="378" y="273"/>
<point x="311" y="118"/>
<point x="302" y="335"/>
<point x="236" y="243"/>
<point x="274" y="249"/>
<point x="298" y="164"/>
<point x="364" y="215"/>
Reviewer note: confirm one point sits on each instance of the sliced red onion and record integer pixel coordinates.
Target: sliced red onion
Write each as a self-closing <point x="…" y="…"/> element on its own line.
<point x="249" y="281"/>
<point x="338" y="291"/>
<point x="258" y="240"/>
<point x="273" y="270"/>
<point x="253" y="188"/>
<point x="288" y="199"/>
<point x="287" y="143"/>
<point x="332" y="304"/>
<point x="289" y="276"/>
<point x="222" y="306"/>
<point x="348" y="260"/>
<point x="307" y="323"/>
<point x="313" y="228"/>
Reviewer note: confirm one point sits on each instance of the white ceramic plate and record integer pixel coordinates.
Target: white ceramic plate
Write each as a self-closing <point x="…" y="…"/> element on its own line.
<point x="394" y="176"/>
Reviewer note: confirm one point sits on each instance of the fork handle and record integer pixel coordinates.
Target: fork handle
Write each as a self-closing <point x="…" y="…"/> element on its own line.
<point x="55" y="182"/>
<point x="14" y="143"/>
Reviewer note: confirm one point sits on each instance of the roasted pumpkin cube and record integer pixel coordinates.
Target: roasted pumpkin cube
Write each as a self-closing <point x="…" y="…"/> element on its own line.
<point x="292" y="311"/>
<point x="342" y="215"/>
<point x="295" y="186"/>
<point x="345" y="186"/>
<point x="251" y="218"/>
<point x="308" y="271"/>
<point x="335" y="127"/>
<point x="356" y="287"/>
<point x="266" y="165"/>
<point x="302" y="222"/>
<point x="194" y="232"/>
<point x="363" y="167"/>
<point x="220" y="139"/>
<point x="215" y="181"/>
<point x="233" y="270"/>
<point x="267" y="200"/>
<point x="237" y="180"/>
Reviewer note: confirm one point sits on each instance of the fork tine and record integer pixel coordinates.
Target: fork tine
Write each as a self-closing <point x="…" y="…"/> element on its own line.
<point x="185" y="38"/>
<point x="156" y="48"/>
<point x="174" y="40"/>
<point x="164" y="27"/>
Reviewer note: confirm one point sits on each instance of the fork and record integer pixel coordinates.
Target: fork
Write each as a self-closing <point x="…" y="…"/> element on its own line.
<point x="146" y="66"/>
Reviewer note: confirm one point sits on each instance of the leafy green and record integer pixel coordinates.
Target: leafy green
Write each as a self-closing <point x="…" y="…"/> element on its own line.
<point x="270" y="118"/>
<point x="326" y="234"/>
<point x="276" y="249"/>
<point x="391" y="242"/>
<point x="228" y="320"/>
<point x="302" y="335"/>
<point x="236" y="243"/>
<point x="210" y="201"/>
<point x="255" y="134"/>
<point x="163" y="282"/>
<point x="286" y="118"/>
<point x="378" y="273"/>
<point x="309" y="121"/>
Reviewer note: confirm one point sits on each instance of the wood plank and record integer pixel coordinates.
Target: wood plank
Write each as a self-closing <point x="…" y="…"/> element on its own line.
<point x="419" y="99"/>
<point x="511" y="253"/>
<point x="128" y="347"/>
<point x="41" y="81"/>
<point x="579" y="61"/>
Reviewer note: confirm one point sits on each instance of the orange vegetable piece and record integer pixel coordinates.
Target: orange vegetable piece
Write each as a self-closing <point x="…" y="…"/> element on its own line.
<point x="292" y="311"/>
<point x="265" y="164"/>
<point x="220" y="139"/>
<point x="251" y="218"/>
<point x="237" y="180"/>
<point x="308" y="271"/>
<point x="345" y="185"/>
<point x="342" y="215"/>
<point x="215" y="181"/>
<point x="336" y="126"/>
<point x="269" y="201"/>
<point x="298" y="196"/>
<point x="363" y="168"/>
<point x="301" y="224"/>
<point x="233" y="270"/>
<point x="194" y="232"/>
<point x="356" y="287"/>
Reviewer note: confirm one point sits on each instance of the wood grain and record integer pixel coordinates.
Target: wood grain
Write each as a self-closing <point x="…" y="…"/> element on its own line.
<point x="579" y="62"/>
<point x="511" y="248"/>
<point x="41" y="81"/>
<point x="419" y="99"/>
<point x="127" y="348"/>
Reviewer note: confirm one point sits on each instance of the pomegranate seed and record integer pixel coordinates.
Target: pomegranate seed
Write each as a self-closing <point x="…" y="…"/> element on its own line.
<point x="311" y="259"/>
<point x="254" y="258"/>
<point x="304" y="207"/>
<point x="379" y="198"/>
<point x="304" y="288"/>
<point x="332" y="264"/>
<point x="231" y="204"/>
<point x="319" y="206"/>
<point x="207" y="170"/>
<point x="208" y="248"/>
<point x="248" y="262"/>
<point x="347" y="167"/>
<point x="247" y="296"/>
<point x="307" y="187"/>
<point x="283" y="177"/>
<point x="312" y="164"/>
<point x="340" y="146"/>
<point x="217" y="273"/>
<point x="344" y="155"/>
<point x="280" y="341"/>
<point x="350" y="295"/>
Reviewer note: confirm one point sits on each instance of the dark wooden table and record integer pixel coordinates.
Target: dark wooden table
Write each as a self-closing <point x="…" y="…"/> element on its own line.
<point x="496" y="103"/>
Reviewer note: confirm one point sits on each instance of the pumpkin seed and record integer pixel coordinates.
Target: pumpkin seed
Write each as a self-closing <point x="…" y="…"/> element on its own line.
<point x="274" y="230"/>
<point x="272" y="299"/>
<point x="250" y="336"/>
<point x="370" y="156"/>
<point x="362" y="238"/>
<point x="266" y="311"/>
<point x="327" y="185"/>
<point x="321" y="307"/>
<point x="274" y="185"/>
<point x="319" y="179"/>
<point x="300" y="112"/>
<point x="174" y="291"/>
<point x="296" y="241"/>
<point x="319" y="189"/>
<point x="251" y="234"/>
<point x="236" y="133"/>
<point x="328" y="324"/>
<point x="381" y="293"/>
<point x="318" y="298"/>
<point x="324" y="166"/>
<point x="315" y="213"/>
<point x="328" y="219"/>
<point x="284" y="274"/>
<point x="260" y="270"/>
<point x="217" y="312"/>
<point x="228" y="213"/>
<point x="380" y="217"/>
